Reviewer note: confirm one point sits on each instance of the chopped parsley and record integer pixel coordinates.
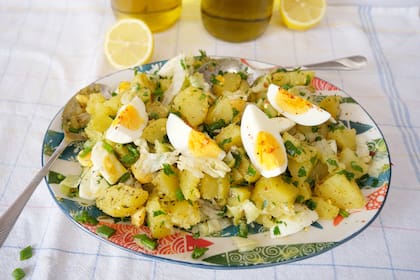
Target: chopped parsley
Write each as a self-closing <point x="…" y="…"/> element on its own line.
<point x="243" y="75"/>
<point x="300" y="198"/>
<point x="310" y="204"/>
<point x="145" y="241"/>
<point x="211" y="128"/>
<point x="332" y="162"/>
<point x="18" y="273"/>
<point x="179" y="195"/>
<point x="243" y="229"/>
<point x="251" y="171"/>
<point x="291" y="149"/>
<point x="158" y="92"/>
<point x="336" y="126"/>
<point x="276" y="230"/>
<point x="84" y="218"/>
<point x="343" y="213"/>
<point x="55" y="177"/>
<point x="214" y="80"/>
<point x="25" y="253"/>
<point x="349" y="175"/>
<point x="105" y="231"/>
<point x="235" y="112"/>
<point x="225" y="141"/>
<point x="167" y="169"/>
<point x="158" y="213"/>
<point x="124" y="177"/>
<point x="107" y="147"/>
<point x="302" y="172"/>
<point x="198" y="252"/>
<point x="202" y="56"/>
<point x="154" y="116"/>
<point x="85" y="151"/>
<point x="287" y="86"/>
<point x="356" y="167"/>
<point x="238" y="158"/>
<point x="183" y="65"/>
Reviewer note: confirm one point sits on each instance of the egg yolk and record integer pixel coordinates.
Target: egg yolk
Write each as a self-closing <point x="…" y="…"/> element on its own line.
<point x="112" y="168"/>
<point x="201" y="145"/>
<point x="291" y="103"/>
<point x="129" y="118"/>
<point x="269" y="153"/>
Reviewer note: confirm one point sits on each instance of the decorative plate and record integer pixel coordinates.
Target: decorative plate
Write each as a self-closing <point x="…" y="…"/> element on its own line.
<point x="222" y="252"/>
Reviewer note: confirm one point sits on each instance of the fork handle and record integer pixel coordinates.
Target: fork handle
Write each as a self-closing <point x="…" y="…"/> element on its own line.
<point x="346" y="63"/>
<point x="9" y="217"/>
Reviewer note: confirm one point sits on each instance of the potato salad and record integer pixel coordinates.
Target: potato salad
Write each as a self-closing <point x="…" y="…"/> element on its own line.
<point x="173" y="151"/>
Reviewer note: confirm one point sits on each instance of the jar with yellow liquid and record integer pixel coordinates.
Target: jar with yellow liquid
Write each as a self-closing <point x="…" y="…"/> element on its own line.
<point x="236" y="20"/>
<point x="158" y="14"/>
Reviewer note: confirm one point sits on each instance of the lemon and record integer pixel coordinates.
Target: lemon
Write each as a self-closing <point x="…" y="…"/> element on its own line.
<point x="302" y="14"/>
<point x="128" y="43"/>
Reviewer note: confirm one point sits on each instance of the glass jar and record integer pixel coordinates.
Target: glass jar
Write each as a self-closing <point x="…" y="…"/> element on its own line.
<point x="158" y="14"/>
<point x="236" y="20"/>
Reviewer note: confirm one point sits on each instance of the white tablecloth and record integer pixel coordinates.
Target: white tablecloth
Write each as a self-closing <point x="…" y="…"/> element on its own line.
<point x="50" y="49"/>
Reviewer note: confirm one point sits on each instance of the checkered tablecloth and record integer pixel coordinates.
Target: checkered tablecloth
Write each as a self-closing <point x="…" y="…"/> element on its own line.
<point x="50" y="49"/>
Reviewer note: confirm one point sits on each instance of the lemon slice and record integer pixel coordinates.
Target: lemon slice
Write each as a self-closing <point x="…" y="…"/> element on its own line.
<point x="302" y="14"/>
<point x="129" y="43"/>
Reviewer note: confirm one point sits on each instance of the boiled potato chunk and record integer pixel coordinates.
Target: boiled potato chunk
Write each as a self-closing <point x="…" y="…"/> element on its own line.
<point x="100" y="113"/>
<point x="273" y="194"/>
<point x="325" y="209"/>
<point x="353" y="163"/>
<point x="238" y="107"/>
<point x="192" y="103"/>
<point x="166" y="185"/>
<point x="345" y="137"/>
<point x="157" y="110"/>
<point x="341" y="192"/>
<point x="189" y="185"/>
<point x="229" y="136"/>
<point x="215" y="188"/>
<point x="247" y="171"/>
<point x="295" y="78"/>
<point x="121" y="200"/>
<point x="301" y="170"/>
<point x="184" y="214"/>
<point x="332" y="105"/>
<point x="228" y="83"/>
<point x="237" y="195"/>
<point x="319" y="172"/>
<point x="298" y="150"/>
<point x="138" y="217"/>
<point x="159" y="222"/>
<point x="155" y="130"/>
<point x="221" y="110"/>
<point x="304" y="190"/>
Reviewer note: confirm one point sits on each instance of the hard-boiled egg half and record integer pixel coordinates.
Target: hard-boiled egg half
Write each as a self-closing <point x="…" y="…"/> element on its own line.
<point x="92" y="182"/>
<point x="191" y="142"/>
<point x="295" y="107"/>
<point x="129" y="122"/>
<point x="262" y="142"/>
<point x="106" y="162"/>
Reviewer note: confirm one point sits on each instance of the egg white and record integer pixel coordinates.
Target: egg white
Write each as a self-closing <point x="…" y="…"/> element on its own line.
<point x="121" y="134"/>
<point x="106" y="163"/>
<point x="179" y="134"/>
<point x="254" y="121"/>
<point x="91" y="183"/>
<point x="313" y="116"/>
<point x="293" y="224"/>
